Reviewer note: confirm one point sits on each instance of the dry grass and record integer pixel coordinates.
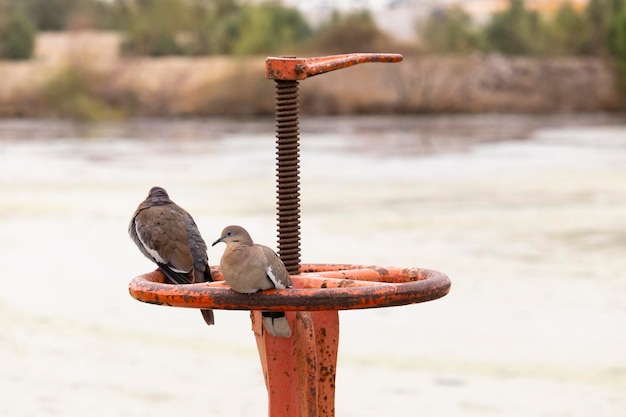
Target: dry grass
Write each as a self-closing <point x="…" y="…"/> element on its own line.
<point x="220" y="86"/>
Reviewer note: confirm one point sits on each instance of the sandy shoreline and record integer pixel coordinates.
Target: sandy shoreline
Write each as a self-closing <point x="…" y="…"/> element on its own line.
<point x="531" y="233"/>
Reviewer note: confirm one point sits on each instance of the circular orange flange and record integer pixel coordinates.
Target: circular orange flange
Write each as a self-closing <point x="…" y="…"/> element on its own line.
<point x="317" y="287"/>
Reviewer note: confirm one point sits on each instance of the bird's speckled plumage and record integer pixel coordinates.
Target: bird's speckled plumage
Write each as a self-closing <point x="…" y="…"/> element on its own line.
<point x="167" y="235"/>
<point x="249" y="267"/>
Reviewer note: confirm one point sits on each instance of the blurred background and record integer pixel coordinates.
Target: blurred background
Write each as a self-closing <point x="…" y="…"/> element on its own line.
<point x="495" y="153"/>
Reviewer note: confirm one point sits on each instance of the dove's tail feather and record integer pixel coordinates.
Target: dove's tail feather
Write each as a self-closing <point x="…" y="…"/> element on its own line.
<point x="276" y="324"/>
<point x="208" y="317"/>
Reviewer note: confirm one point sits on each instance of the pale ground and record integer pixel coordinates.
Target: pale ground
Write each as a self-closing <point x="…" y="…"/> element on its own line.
<point x="532" y="234"/>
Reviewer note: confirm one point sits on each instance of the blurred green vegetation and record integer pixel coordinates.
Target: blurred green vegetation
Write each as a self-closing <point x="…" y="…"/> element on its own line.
<point x="62" y="14"/>
<point x="209" y="27"/>
<point x="352" y="32"/>
<point x="451" y="30"/>
<point x="206" y="27"/>
<point x="18" y="37"/>
<point x="81" y="93"/>
<point x="516" y="30"/>
<point x="268" y="29"/>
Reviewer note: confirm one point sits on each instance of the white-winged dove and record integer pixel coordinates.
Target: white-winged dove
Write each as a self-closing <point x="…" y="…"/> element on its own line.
<point x="248" y="267"/>
<point x="167" y="235"/>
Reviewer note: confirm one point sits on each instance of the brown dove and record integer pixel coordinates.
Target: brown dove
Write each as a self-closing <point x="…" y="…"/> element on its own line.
<point x="167" y="235"/>
<point x="249" y="267"/>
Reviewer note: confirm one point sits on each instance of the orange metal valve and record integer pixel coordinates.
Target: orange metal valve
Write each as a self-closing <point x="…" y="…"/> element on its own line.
<point x="319" y="287"/>
<point x="289" y="68"/>
<point x="300" y="371"/>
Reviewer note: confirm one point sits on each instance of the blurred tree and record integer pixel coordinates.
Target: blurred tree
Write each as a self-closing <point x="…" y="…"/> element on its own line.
<point x="516" y="30"/>
<point x="450" y="30"/>
<point x="224" y="34"/>
<point x="46" y="14"/>
<point x="119" y="16"/>
<point x="617" y="35"/>
<point x="355" y="32"/>
<point x="600" y="14"/>
<point x="152" y="27"/>
<point x="597" y="16"/>
<point x="219" y="7"/>
<point x="92" y="14"/>
<point x="569" y="32"/>
<point x="269" y="28"/>
<point x="215" y="26"/>
<point x="18" y="37"/>
<point x="617" y="45"/>
<point x="198" y="27"/>
<point x="61" y="14"/>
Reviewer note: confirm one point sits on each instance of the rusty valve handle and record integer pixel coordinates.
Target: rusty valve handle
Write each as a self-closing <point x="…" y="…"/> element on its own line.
<point x="292" y="68"/>
<point x="286" y="71"/>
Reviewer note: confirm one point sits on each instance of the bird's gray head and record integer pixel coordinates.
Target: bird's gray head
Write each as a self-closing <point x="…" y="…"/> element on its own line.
<point x="234" y="234"/>
<point x="158" y="195"/>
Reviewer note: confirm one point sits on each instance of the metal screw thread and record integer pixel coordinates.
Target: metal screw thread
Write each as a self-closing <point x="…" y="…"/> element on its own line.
<point x="288" y="174"/>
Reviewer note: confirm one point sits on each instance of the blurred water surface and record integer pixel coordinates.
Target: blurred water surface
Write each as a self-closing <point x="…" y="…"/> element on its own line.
<point x="526" y="214"/>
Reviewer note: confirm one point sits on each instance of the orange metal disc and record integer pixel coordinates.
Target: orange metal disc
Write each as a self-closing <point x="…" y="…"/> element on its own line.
<point x="318" y="287"/>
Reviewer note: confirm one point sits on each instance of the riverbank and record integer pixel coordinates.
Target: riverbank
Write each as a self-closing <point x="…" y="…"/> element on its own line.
<point x="81" y="75"/>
